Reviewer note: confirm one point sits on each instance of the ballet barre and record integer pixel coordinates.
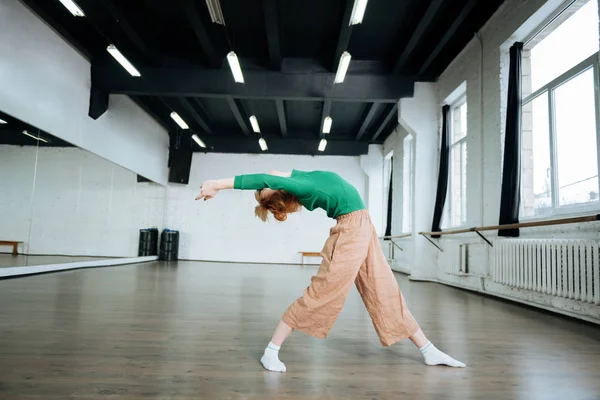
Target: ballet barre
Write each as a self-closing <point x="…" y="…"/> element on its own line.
<point x="561" y="221"/>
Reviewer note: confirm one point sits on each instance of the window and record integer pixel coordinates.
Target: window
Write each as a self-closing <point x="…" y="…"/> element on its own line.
<point x="455" y="213"/>
<point x="560" y="134"/>
<point x="407" y="188"/>
<point x="388" y="166"/>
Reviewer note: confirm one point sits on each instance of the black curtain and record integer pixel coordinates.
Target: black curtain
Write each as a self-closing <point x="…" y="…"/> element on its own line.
<point x="388" y="229"/>
<point x="442" y="186"/>
<point x="510" y="201"/>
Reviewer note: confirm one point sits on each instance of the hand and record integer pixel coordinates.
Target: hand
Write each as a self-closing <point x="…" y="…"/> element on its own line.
<point x="208" y="190"/>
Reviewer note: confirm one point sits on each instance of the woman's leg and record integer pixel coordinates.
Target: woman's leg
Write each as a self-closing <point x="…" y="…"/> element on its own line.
<point x="316" y="311"/>
<point x="282" y="332"/>
<point x="390" y="315"/>
<point x="270" y="359"/>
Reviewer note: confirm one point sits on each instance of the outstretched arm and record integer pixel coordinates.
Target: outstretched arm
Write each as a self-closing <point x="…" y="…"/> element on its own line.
<point x="209" y="189"/>
<point x="274" y="180"/>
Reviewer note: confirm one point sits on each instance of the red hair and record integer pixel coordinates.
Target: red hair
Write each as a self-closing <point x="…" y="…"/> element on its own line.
<point x="278" y="202"/>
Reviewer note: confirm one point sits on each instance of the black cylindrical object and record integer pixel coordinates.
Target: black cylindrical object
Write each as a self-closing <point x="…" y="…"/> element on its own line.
<point x="169" y="236"/>
<point x="148" y="244"/>
<point x="169" y="245"/>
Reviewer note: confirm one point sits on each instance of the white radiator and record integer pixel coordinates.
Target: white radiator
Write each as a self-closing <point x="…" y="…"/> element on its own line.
<point x="565" y="268"/>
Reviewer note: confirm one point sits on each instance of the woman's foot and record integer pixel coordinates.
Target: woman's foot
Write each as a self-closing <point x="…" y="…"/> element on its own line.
<point x="270" y="359"/>
<point x="433" y="356"/>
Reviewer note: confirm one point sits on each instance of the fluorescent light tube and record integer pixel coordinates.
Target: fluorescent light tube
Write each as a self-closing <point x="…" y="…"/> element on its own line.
<point x="343" y="67"/>
<point x="322" y="144"/>
<point x="327" y="125"/>
<point x="236" y="69"/>
<point x="179" y="120"/>
<point x="358" y="11"/>
<point x="2" y="122"/>
<point x="117" y="55"/>
<point x="73" y="8"/>
<point x="254" y="123"/>
<point x="216" y="14"/>
<point x="35" y="137"/>
<point x="263" y="144"/>
<point x="199" y="141"/>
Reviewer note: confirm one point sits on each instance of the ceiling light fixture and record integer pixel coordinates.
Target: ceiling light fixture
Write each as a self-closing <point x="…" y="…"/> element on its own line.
<point x="179" y="120"/>
<point x="254" y="123"/>
<point x="199" y="141"/>
<point x="117" y="55"/>
<point x="263" y="144"/>
<point x="216" y="14"/>
<point x="343" y="67"/>
<point x="358" y="11"/>
<point x="322" y="144"/>
<point x="236" y="69"/>
<point x="73" y="8"/>
<point x="327" y="125"/>
<point x="35" y="137"/>
<point x="2" y="122"/>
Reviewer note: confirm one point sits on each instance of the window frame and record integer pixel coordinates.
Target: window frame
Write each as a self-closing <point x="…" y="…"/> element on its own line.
<point x="448" y="209"/>
<point x="593" y="63"/>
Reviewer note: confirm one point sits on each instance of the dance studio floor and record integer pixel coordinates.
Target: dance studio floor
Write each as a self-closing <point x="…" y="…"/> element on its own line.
<point x="197" y="330"/>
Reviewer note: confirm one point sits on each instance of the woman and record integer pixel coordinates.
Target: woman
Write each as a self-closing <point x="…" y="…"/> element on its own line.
<point x="352" y="254"/>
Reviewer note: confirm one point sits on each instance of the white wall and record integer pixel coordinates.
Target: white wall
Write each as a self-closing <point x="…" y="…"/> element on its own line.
<point x="376" y="198"/>
<point x="484" y="66"/>
<point x="225" y="228"/>
<point x="46" y="83"/>
<point x="82" y="204"/>
<point x="17" y="170"/>
<point x="418" y="116"/>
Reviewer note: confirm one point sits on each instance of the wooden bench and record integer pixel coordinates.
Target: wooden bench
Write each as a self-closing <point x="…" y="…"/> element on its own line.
<point x="309" y="254"/>
<point x="15" y="246"/>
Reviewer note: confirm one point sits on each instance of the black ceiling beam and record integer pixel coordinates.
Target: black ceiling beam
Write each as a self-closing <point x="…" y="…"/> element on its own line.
<point x="98" y="103"/>
<point x="431" y="11"/>
<point x="281" y="115"/>
<point x="223" y="142"/>
<point x="458" y="22"/>
<point x="191" y="12"/>
<point x="193" y="82"/>
<point x="324" y="113"/>
<point x="130" y="31"/>
<point x="344" y="37"/>
<point x="393" y="112"/>
<point x="195" y="115"/>
<point x="236" y="109"/>
<point x="271" y="10"/>
<point x="367" y="121"/>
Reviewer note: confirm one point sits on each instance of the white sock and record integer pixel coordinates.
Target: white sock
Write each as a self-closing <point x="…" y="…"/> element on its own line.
<point x="270" y="360"/>
<point x="435" y="357"/>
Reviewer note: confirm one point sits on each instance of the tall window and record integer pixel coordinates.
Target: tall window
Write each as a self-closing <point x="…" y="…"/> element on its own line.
<point x="560" y="135"/>
<point x="455" y="213"/>
<point x="407" y="188"/>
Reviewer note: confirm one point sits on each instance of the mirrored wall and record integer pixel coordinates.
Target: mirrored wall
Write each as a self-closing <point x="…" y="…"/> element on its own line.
<point x="62" y="204"/>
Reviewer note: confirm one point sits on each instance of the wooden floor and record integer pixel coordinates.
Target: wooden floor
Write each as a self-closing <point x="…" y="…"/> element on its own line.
<point x="197" y="330"/>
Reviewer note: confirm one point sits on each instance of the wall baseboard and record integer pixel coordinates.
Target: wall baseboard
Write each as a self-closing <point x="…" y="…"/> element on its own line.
<point x="513" y="299"/>
<point x="14" y="272"/>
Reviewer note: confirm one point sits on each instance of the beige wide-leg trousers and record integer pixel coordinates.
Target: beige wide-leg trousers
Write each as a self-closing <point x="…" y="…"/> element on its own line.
<point x="353" y="254"/>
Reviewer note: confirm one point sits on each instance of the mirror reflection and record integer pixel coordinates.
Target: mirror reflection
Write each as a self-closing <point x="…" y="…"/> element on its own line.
<point x="63" y="204"/>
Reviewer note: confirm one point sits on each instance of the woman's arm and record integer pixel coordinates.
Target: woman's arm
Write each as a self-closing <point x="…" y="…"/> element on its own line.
<point x="209" y="189"/>
<point x="275" y="180"/>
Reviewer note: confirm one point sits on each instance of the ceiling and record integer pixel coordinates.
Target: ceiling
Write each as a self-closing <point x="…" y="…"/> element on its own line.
<point x="289" y="52"/>
<point x="11" y="133"/>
